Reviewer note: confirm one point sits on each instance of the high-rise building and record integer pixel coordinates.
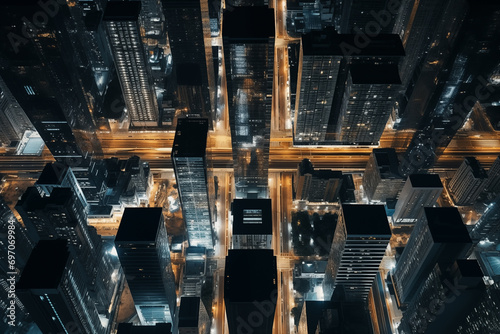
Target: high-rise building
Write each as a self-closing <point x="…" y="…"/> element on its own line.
<point x="252" y="224"/>
<point x="464" y="76"/>
<point x="368" y="101"/>
<point x="249" y="58"/>
<point x="48" y="75"/>
<point x="419" y="191"/>
<point x="194" y="271"/>
<point x="434" y="304"/>
<point x="189" y="33"/>
<point x="468" y="182"/>
<point x="440" y="238"/>
<point x="142" y="246"/>
<point x="321" y="64"/>
<point x="250" y="290"/>
<point x="54" y="291"/>
<point x="488" y="226"/>
<point x="58" y="175"/>
<point x="309" y="15"/>
<point x="190" y="166"/>
<point x="363" y="16"/>
<point x="359" y="244"/>
<point x="124" y="33"/>
<point x="317" y="185"/>
<point x="382" y="179"/>
<point x="193" y="317"/>
<point x="493" y="183"/>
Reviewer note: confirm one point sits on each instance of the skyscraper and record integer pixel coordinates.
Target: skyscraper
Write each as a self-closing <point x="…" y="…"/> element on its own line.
<point x="250" y="290"/>
<point x="49" y="77"/>
<point x="382" y="179"/>
<point x="54" y="290"/>
<point x="359" y="244"/>
<point x="468" y="182"/>
<point x="493" y="183"/>
<point x="249" y="58"/>
<point x="190" y="166"/>
<point x="121" y="19"/>
<point x="362" y="16"/>
<point x="440" y="238"/>
<point x="189" y="35"/>
<point x="419" y="191"/>
<point x="317" y="185"/>
<point x="252" y="224"/>
<point x="488" y="226"/>
<point x="193" y="317"/>
<point x="142" y="246"/>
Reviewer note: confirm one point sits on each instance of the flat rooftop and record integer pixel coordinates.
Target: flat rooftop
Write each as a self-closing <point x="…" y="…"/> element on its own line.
<point x="255" y="22"/>
<point x="122" y="11"/>
<point x="375" y="74"/>
<point x="189" y="312"/>
<point x="366" y="219"/>
<point x="446" y="225"/>
<point x="252" y="216"/>
<point x="328" y="42"/>
<point x="425" y="181"/>
<point x="45" y="265"/>
<point x="190" y="137"/>
<point x="139" y="225"/>
<point x="250" y="275"/>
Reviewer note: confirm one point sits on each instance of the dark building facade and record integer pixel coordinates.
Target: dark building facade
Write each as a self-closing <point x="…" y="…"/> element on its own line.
<point x="468" y="182"/>
<point x="250" y="286"/>
<point x="249" y="59"/>
<point x="142" y="246"/>
<point x="252" y="224"/>
<point x="190" y="166"/>
<point x="359" y="244"/>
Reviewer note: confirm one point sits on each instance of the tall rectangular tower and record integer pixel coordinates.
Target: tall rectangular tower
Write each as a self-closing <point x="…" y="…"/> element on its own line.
<point x="439" y="238"/>
<point x="189" y="36"/>
<point x="54" y="290"/>
<point x="468" y="182"/>
<point x="190" y="166"/>
<point x="419" y="191"/>
<point x="249" y="58"/>
<point x="142" y="246"/>
<point x="121" y="18"/>
<point x="359" y="244"/>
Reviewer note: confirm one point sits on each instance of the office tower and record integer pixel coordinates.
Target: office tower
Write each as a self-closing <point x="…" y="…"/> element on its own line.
<point x="316" y="185"/>
<point x="189" y="34"/>
<point x="306" y="16"/>
<point x="382" y="317"/>
<point x="468" y="182"/>
<point x="53" y="289"/>
<point x="190" y="166"/>
<point x="321" y="64"/>
<point x="122" y="25"/>
<point x="250" y="290"/>
<point x="334" y="317"/>
<point x="488" y="226"/>
<point x="483" y="318"/>
<point x="493" y="183"/>
<point x="194" y="271"/>
<point x="252" y="224"/>
<point x="129" y="328"/>
<point x="61" y="216"/>
<point x="13" y="120"/>
<point x="421" y="25"/>
<point x="465" y="77"/>
<point x="368" y="102"/>
<point x="193" y="317"/>
<point x="444" y="296"/>
<point x="249" y="59"/>
<point x="359" y="244"/>
<point x="382" y="179"/>
<point x="49" y="77"/>
<point x="419" y="191"/>
<point x="58" y="175"/>
<point x="438" y="239"/>
<point x="347" y="189"/>
<point x="490" y="263"/>
<point x="142" y="246"/>
<point x="365" y="16"/>
<point x="23" y="243"/>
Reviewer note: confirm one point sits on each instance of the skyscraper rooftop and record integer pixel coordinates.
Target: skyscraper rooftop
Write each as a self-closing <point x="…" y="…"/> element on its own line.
<point x="139" y="225"/>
